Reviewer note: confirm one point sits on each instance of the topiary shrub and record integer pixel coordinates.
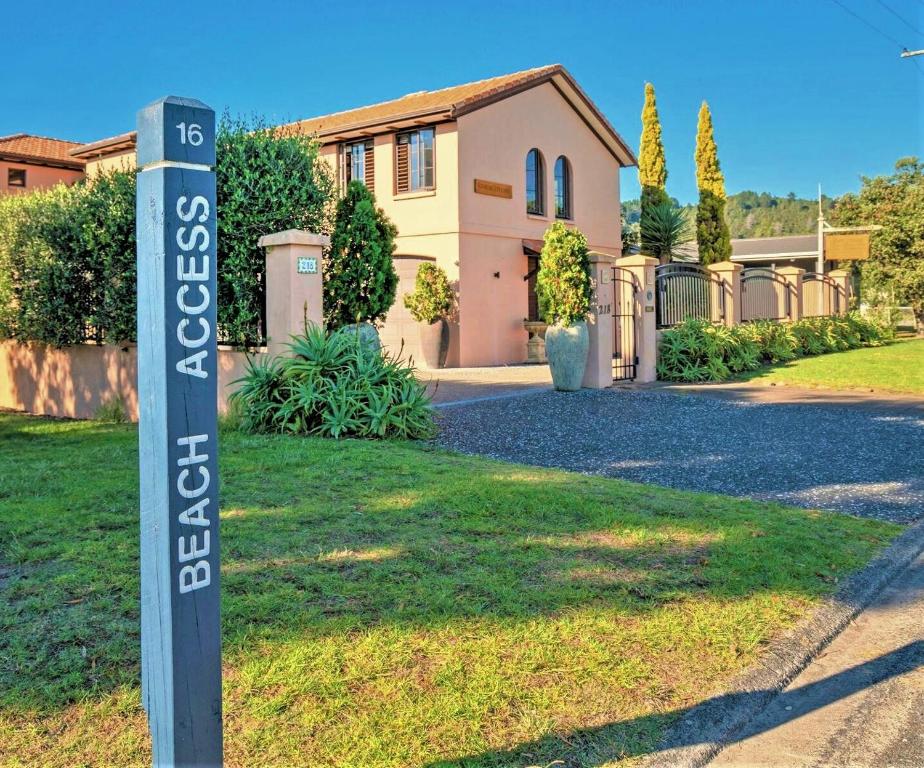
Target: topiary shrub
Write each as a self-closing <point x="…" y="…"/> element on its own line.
<point x="359" y="277"/>
<point x="563" y="281"/>
<point x="333" y="386"/>
<point x="433" y="297"/>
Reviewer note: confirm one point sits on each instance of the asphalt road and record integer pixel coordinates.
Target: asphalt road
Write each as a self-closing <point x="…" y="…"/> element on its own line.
<point x="860" y="704"/>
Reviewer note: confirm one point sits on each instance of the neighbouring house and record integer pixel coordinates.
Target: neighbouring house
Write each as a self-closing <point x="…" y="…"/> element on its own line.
<point x="34" y="162"/>
<point x="786" y="251"/>
<point x="114" y="153"/>
<point x="472" y="176"/>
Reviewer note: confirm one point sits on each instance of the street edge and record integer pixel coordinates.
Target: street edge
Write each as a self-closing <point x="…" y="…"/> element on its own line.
<point x="711" y="726"/>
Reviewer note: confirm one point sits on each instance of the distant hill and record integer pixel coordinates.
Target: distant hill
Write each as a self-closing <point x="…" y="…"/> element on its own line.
<point x="753" y="214"/>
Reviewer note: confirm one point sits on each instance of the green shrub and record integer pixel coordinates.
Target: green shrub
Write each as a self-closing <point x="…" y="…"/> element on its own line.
<point x="113" y="411"/>
<point x="698" y="351"/>
<point x="268" y="180"/>
<point x="359" y="277"/>
<point x="563" y="281"/>
<point x="433" y="297"/>
<point x="332" y="386"/>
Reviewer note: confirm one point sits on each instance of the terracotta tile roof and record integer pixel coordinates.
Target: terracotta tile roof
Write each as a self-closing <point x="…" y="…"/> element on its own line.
<point x="456" y="101"/>
<point x="422" y="102"/>
<point x="39" y="148"/>
<point x="451" y="102"/>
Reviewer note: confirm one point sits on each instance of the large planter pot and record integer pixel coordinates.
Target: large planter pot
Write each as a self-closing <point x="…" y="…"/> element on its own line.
<point x="566" y="348"/>
<point x="434" y="343"/>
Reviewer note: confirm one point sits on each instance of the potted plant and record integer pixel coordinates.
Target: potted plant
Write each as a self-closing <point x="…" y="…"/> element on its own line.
<point x="431" y="305"/>
<point x="564" y="291"/>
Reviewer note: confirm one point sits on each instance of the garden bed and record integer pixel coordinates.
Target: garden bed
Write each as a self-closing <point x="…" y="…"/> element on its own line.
<point x="385" y="604"/>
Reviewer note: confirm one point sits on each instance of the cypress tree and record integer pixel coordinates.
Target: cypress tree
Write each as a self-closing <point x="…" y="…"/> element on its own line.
<point x="359" y="278"/>
<point x="652" y="168"/>
<point x="712" y="235"/>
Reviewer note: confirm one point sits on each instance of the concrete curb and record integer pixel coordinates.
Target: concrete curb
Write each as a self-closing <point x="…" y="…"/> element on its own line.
<point x="707" y="728"/>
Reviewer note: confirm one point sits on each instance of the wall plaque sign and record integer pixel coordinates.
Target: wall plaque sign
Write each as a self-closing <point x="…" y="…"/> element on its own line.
<point x="493" y="188"/>
<point x="177" y="396"/>
<point x="306" y="265"/>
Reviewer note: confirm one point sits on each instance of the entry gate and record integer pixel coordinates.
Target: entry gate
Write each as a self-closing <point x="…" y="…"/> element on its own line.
<point x="626" y="291"/>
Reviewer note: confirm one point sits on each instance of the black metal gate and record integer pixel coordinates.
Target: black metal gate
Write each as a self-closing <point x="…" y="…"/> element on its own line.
<point x="626" y="291"/>
<point x="688" y="291"/>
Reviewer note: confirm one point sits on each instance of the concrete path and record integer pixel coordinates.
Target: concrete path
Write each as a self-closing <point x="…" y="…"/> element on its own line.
<point x="860" y="704"/>
<point x="462" y="385"/>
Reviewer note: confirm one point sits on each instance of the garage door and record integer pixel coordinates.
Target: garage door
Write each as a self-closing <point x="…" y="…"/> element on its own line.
<point x="399" y="325"/>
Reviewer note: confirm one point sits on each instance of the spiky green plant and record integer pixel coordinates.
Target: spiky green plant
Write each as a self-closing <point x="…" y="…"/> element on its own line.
<point x="664" y="231"/>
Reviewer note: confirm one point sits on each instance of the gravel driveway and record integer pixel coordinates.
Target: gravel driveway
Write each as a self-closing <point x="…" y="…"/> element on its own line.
<point x="847" y="458"/>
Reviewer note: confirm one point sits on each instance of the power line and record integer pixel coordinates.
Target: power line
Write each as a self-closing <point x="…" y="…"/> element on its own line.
<point x="901" y="18"/>
<point x="873" y="27"/>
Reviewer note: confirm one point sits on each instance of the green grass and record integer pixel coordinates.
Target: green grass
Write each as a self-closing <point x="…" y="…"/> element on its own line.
<point x="386" y="604"/>
<point x="897" y="367"/>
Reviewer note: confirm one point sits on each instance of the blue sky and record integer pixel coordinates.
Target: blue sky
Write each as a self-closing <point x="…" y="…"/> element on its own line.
<point x="801" y="91"/>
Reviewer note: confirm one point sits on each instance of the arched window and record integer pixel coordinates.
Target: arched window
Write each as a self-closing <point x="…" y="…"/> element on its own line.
<point x="535" y="182"/>
<point x="563" y="188"/>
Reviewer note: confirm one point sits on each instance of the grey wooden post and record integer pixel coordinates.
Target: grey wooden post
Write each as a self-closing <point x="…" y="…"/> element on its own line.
<point x="177" y="402"/>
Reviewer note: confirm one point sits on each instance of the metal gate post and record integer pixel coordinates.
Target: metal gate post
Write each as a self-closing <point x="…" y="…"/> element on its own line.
<point x="643" y="267"/>
<point x="730" y="275"/>
<point x="599" y="371"/>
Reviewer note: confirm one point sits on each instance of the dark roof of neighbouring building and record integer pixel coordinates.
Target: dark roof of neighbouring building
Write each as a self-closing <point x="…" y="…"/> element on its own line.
<point x="775" y="246"/>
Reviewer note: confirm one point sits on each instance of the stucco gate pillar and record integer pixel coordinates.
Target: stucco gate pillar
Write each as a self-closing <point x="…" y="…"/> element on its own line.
<point x="599" y="371"/>
<point x="294" y="285"/>
<point x="793" y="278"/>
<point x="841" y="278"/>
<point x="646" y="330"/>
<point x="730" y="275"/>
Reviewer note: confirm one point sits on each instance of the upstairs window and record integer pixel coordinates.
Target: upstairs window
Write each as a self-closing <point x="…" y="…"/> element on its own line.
<point x="414" y="161"/>
<point x="16" y="177"/>
<point x="563" y="188"/>
<point x="535" y="182"/>
<point x="358" y="163"/>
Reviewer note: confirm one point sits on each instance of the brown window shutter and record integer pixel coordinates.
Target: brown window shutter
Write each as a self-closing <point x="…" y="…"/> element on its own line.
<point x="402" y="174"/>
<point x="370" y="166"/>
<point x="345" y="165"/>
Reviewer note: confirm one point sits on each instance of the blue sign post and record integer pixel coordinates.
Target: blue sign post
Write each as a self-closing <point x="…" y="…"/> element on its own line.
<point x="177" y="398"/>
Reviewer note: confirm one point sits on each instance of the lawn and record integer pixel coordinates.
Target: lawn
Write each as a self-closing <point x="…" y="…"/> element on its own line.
<point x="897" y="367"/>
<point x="395" y="605"/>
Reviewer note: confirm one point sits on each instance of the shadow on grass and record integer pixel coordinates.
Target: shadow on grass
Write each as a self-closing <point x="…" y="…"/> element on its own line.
<point x="588" y="748"/>
<point x="322" y="538"/>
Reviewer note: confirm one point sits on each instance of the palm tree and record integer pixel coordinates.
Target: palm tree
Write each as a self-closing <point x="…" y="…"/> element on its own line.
<point x="664" y="231"/>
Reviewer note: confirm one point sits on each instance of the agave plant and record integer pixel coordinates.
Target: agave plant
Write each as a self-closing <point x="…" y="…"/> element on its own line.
<point x="331" y="384"/>
<point x="663" y="231"/>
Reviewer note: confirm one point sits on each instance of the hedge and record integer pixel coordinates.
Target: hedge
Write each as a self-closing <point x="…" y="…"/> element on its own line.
<point x="67" y="254"/>
<point x="699" y="351"/>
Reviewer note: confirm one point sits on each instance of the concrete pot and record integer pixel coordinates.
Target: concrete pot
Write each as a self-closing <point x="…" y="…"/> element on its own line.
<point x="566" y="348"/>
<point x="434" y="343"/>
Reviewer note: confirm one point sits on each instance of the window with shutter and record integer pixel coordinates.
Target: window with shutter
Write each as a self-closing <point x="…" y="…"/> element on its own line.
<point x="414" y="159"/>
<point x="357" y="163"/>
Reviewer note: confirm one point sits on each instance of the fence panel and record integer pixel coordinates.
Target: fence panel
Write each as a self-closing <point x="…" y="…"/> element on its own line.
<point x="820" y="295"/>
<point x="688" y="291"/>
<point x="765" y="295"/>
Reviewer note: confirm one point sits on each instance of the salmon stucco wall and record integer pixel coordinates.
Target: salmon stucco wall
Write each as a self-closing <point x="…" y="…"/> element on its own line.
<point x="74" y="382"/>
<point x="37" y="177"/>
<point x="493" y="144"/>
<point x="122" y="161"/>
<point x="427" y="223"/>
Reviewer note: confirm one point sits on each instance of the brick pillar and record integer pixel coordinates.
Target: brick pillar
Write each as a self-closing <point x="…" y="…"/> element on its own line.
<point x="599" y="371"/>
<point x="841" y="278"/>
<point x="730" y="275"/>
<point x="294" y="287"/>
<point x="643" y="268"/>
<point x="793" y="278"/>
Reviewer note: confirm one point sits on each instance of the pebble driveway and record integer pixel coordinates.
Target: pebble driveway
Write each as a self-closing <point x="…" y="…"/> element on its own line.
<point x="863" y="461"/>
